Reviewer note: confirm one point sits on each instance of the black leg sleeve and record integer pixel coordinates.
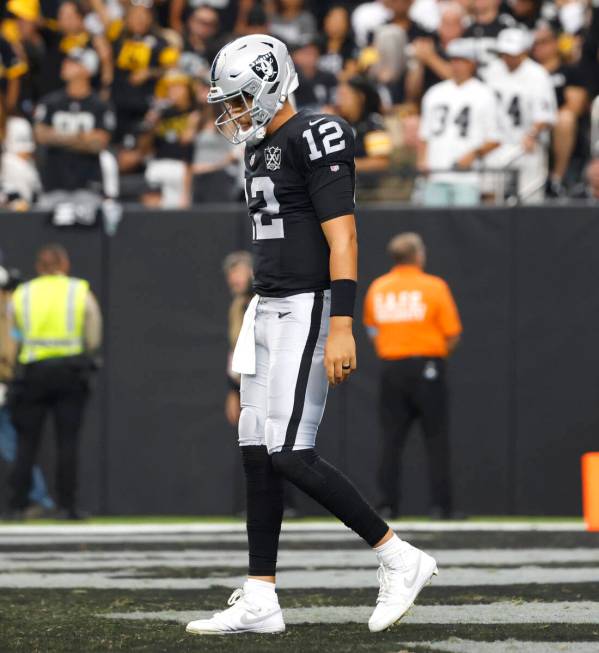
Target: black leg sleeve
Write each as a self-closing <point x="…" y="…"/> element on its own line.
<point x="264" y="492"/>
<point x="332" y="490"/>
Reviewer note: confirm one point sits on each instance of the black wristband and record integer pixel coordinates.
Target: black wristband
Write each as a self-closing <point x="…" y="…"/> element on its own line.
<point x="343" y="297"/>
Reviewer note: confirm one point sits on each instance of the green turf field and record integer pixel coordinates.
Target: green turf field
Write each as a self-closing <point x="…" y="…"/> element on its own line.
<point x="113" y="589"/>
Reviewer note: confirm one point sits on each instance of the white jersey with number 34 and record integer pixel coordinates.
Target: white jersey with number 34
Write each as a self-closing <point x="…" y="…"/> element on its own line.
<point x="456" y="119"/>
<point x="526" y="97"/>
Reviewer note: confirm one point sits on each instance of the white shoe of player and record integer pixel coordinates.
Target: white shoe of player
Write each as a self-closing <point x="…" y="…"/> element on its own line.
<point x="400" y="586"/>
<point x="250" y="612"/>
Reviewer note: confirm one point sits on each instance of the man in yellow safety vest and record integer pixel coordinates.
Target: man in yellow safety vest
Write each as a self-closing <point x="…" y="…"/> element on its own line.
<point x="60" y="325"/>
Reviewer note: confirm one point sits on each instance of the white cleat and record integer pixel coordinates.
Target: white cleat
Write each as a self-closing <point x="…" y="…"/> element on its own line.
<point x="399" y="587"/>
<point x="250" y="612"/>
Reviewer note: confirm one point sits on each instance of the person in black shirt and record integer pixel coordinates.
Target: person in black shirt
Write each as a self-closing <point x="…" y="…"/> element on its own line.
<point x="141" y="57"/>
<point x="338" y="50"/>
<point x="12" y="69"/>
<point x="296" y="336"/>
<point x="316" y="87"/>
<point x="70" y="34"/>
<point x="568" y="133"/>
<point x="173" y="124"/>
<point x="201" y="42"/>
<point x="359" y="103"/>
<point x="488" y="21"/>
<point x="74" y="125"/>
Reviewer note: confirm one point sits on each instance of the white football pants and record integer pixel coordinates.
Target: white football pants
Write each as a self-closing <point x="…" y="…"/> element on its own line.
<point x="283" y="402"/>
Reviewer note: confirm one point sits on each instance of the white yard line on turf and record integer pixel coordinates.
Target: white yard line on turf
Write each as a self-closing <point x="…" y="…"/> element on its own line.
<point x="455" y="645"/>
<point x="343" y="578"/>
<point x="292" y="527"/>
<point x="298" y="558"/>
<point x="584" y="612"/>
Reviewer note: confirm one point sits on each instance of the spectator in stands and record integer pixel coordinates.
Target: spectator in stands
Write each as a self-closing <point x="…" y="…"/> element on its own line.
<point x="338" y="50"/>
<point x="70" y="34"/>
<point x="201" y="42"/>
<point x="141" y="56"/>
<point x="487" y="21"/>
<point x="525" y="12"/>
<point x="291" y="23"/>
<point x="21" y="30"/>
<point x="74" y="125"/>
<point x="590" y="53"/>
<point x="12" y="69"/>
<point x="359" y="103"/>
<point x="414" y="323"/>
<point x="401" y="29"/>
<point x="431" y="54"/>
<point x="228" y="12"/>
<point x="217" y="165"/>
<point x="172" y="128"/>
<point x="527" y="113"/>
<point x="459" y="126"/>
<point x="367" y="18"/>
<point x="19" y="179"/>
<point x="316" y="87"/>
<point x="572" y="104"/>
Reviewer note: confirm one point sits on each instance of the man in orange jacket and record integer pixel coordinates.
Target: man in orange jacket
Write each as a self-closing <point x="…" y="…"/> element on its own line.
<point x="414" y="323"/>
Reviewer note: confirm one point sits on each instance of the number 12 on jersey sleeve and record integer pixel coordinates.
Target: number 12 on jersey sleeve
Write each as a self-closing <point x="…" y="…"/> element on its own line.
<point x="265" y="226"/>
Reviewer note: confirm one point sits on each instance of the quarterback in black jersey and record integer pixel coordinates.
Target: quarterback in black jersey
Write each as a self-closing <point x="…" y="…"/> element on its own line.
<point x="296" y="336"/>
<point x="297" y="179"/>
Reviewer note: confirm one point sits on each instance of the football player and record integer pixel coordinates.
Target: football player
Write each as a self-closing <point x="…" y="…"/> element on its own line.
<point x="296" y="338"/>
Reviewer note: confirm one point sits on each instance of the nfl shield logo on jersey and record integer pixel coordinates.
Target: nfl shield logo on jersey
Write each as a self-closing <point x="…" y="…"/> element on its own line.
<point x="266" y="67"/>
<point x="272" y="156"/>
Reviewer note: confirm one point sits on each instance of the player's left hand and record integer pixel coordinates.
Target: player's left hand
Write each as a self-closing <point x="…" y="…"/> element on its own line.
<point x="340" y="350"/>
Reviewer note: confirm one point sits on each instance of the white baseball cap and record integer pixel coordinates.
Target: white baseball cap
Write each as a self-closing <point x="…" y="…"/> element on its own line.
<point x="19" y="136"/>
<point x="462" y="49"/>
<point x="87" y="57"/>
<point x="513" y="41"/>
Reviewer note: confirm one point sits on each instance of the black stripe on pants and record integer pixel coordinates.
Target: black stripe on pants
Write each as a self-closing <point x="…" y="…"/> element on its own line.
<point x="304" y="371"/>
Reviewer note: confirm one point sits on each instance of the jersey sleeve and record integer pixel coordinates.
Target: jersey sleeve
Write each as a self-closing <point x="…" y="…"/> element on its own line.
<point x="327" y="159"/>
<point x="448" y="316"/>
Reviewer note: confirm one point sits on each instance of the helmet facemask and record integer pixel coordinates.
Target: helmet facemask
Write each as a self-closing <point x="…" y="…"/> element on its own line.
<point x="233" y="109"/>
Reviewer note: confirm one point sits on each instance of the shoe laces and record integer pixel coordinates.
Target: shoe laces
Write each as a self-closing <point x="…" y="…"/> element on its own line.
<point x="384" y="584"/>
<point x="236" y="596"/>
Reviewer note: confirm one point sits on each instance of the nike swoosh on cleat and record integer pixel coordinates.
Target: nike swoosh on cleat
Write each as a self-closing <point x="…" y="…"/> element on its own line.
<point x="284" y="314"/>
<point x="247" y="621"/>
<point x="315" y="122"/>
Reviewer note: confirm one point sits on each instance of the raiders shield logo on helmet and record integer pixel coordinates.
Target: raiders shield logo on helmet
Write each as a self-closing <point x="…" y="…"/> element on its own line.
<point x="272" y="156"/>
<point x="266" y="67"/>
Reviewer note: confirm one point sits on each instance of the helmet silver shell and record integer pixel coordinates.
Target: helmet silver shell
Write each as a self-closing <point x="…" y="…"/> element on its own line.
<point x="258" y="71"/>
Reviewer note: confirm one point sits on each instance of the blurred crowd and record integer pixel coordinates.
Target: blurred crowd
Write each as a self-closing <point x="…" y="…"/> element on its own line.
<point x="451" y="101"/>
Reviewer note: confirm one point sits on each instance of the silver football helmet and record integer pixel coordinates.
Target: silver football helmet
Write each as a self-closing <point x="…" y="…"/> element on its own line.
<point x="252" y="77"/>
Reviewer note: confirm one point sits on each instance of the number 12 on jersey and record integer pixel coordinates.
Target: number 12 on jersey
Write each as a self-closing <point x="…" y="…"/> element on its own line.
<point x="265" y="226"/>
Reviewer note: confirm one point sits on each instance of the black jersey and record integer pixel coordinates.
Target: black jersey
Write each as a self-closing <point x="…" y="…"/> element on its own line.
<point x="296" y="178"/>
<point x="485" y="36"/>
<point x="65" y="168"/>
